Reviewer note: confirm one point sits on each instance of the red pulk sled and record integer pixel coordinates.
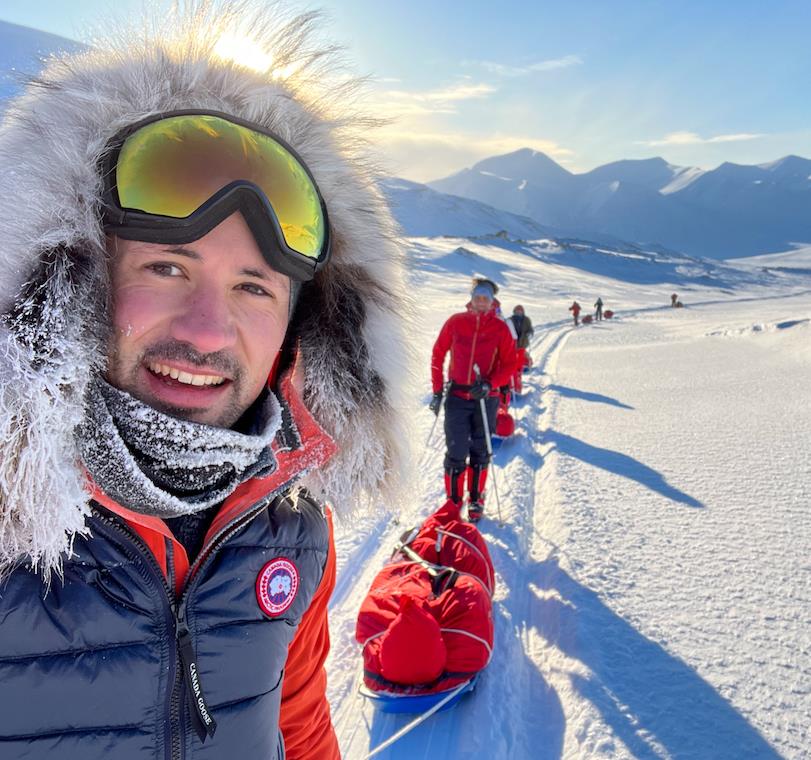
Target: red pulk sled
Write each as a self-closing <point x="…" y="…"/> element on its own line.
<point x="426" y="625"/>
<point x="523" y="363"/>
<point x="505" y="424"/>
<point x="608" y="313"/>
<point x="587" y="320"/>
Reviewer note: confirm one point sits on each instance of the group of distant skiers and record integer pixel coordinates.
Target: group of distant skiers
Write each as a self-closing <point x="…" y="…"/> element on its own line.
<point x="576" y="308"/>
<point x="487" y="356"/>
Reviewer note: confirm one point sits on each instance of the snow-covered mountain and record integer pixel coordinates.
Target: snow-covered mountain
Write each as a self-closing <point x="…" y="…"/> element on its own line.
<point x="22" y="51"/>
<point x="733" y="210"/>
<point x="423" y="212"/>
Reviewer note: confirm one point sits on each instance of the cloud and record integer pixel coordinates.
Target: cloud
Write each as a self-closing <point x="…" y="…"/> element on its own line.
<point x="691" y="138"/>
<point x="552" y="64"/>
<point x="442" y="100"/>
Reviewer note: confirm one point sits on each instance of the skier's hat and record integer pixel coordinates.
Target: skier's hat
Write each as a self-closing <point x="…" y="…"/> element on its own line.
<point x="484" y="287"/>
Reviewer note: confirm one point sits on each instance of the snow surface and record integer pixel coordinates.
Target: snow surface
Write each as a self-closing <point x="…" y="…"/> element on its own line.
<point x="798" y="258"/>
<point x="653" y="564"/>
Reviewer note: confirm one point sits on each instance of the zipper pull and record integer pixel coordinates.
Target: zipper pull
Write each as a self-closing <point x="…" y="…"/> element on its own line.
<point x="202" y="719"/>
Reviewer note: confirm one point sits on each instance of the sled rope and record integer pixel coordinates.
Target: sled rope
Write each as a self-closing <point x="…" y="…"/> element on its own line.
<point x="475" y="548"/>
<point x="435" y="570"/>
<point x="472" y="636"/>
<point x="416" y="722"/>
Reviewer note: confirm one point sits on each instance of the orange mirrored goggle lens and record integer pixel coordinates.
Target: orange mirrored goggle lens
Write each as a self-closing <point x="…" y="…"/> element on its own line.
<point x="173" y="166"/>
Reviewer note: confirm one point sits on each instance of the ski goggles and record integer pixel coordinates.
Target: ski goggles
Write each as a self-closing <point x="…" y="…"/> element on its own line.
<point x="174" y="177"/>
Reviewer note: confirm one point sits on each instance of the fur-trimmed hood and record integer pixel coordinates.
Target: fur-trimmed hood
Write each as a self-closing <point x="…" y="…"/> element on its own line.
<point x="54" y="292"/>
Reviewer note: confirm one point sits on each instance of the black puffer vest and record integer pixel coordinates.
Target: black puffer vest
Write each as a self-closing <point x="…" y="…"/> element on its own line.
<point x="92" y="668"/>
<point x="111" y="662"/>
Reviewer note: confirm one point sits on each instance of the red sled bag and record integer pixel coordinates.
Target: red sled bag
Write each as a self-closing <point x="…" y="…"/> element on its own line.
<point x="426" y="625"/>
<point x="587" y="319"/>
<point x="608" y="314"/>
<point x="446" y="541"/>
<point x="505" y="424"/>
<point x="423" y="631"/>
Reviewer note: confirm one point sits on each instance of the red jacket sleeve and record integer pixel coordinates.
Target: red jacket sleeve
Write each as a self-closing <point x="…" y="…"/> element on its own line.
<point x="441" y="348"/>
<point x="305" y="718"/>
<point x="507" y="359"/>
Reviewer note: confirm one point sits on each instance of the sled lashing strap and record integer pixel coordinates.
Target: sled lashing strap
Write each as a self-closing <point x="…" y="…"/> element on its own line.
<point x="443" y="580"/>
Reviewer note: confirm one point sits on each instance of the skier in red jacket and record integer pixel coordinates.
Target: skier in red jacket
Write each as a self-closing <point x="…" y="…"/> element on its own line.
<point x="575" y="309"/>
<point x="479" y="338"/>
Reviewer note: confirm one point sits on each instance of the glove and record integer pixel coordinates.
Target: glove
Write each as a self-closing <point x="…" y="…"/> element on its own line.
<point x="479" y="389"/>
<point x="436" y="402"/>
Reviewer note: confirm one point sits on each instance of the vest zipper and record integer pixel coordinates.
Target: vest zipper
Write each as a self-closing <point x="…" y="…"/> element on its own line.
<point x="172" y="744"/>
<point x="184" y="663"/>
<point x="191" y="684"/>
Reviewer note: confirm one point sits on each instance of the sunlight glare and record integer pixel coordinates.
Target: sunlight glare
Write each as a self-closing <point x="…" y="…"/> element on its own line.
<point x="242" y="50"/>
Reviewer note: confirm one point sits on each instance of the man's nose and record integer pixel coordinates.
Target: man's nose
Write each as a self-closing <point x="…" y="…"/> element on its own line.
<point x="205" y="321"/>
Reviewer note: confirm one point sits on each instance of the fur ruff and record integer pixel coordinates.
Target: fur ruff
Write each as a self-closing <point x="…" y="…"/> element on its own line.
<point x="54" y="290"/>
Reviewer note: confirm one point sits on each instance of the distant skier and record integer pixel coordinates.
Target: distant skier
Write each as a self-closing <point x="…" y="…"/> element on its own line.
<point x="473" y="337"/>
<point x="598" y="306"/>
<point x="524" y="331"/>
<point x="575" y="309"/>
<point x="523" y="326"/>
<point x="674" y="299"/>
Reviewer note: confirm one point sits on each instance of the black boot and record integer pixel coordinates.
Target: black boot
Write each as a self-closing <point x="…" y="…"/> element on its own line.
<point x="455" y="485"/>
<point x="476" y="478"/>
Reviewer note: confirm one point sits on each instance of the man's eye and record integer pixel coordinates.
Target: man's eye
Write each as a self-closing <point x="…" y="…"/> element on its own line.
<point x="165" y="270"/>
<point x="254" y="289"/>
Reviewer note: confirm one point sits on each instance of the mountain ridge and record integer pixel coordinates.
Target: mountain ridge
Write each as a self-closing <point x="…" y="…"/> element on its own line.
<point x="732" y="210"/>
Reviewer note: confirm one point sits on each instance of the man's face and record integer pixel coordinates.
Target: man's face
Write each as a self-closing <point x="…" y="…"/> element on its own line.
<point x="481" y="303"/>
<point x="197" y="326"/>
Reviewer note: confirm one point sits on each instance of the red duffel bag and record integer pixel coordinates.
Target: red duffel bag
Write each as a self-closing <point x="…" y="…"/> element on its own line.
<point x="445" y="540"/>
<point x="505" y="424"/>
<point x="423" y="631"/>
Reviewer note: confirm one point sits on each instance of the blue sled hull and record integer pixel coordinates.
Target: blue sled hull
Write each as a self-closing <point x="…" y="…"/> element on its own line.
<point x="414" y="703"/>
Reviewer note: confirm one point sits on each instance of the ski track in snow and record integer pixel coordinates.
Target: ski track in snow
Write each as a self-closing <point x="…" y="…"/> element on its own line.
<point x="652" y="564"/>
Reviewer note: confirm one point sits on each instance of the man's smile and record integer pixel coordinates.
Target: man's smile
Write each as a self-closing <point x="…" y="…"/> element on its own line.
<point x="182" y="376"/>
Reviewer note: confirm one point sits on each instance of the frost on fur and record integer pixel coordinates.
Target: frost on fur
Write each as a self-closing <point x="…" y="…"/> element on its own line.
<point x="42" y="496"/>
<point x="51" y="140"/>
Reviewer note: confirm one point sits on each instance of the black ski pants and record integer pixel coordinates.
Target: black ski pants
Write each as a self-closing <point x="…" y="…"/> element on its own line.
<point x="464" y="431"/>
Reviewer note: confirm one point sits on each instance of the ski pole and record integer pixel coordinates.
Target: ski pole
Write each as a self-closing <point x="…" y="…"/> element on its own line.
<point x="486" y="424"/>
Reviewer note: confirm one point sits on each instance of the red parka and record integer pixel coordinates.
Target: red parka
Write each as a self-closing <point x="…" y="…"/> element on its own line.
<point x="474" y="338"/>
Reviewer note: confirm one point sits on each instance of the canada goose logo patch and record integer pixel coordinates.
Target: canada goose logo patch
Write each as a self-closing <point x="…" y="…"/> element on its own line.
<point x="276" y="586"/>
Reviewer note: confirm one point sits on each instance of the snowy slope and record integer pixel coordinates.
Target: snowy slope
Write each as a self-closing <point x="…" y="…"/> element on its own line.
<point x="652" y="566"/>
<point x="798" y="258"/>
<point x="22" y="52"/>
<point x="423" y="212"/>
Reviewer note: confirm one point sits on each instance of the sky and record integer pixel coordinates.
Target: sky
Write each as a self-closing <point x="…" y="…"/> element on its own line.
<point x="585" y="82"/>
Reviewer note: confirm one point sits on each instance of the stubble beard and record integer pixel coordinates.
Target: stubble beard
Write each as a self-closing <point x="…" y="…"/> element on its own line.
<point x="234" y="407"/>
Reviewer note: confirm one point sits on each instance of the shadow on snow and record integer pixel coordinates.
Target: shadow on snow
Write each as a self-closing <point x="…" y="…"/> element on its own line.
<point x="649" y="697"/>
<point x="619" y="464"/>
<point x="597" y="398"/>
